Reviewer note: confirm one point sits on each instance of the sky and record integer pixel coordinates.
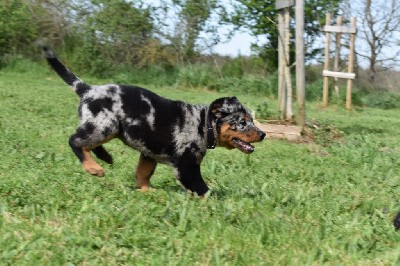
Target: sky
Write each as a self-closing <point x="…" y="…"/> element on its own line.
<point x="238" y="45"/>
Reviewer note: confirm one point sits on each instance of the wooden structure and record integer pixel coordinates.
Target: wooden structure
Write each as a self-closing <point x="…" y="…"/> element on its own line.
<point x="285" y="90"/>
<point x="339" y="30"/>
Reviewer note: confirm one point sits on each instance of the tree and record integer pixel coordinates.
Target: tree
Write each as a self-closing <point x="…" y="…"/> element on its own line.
<point x="16" y="29"/>
<point x="190" y="19"/>
<point x="260" y="16"/>
<point x="119" y="28"/>
<point x="379" y="33"/>
<point x="52" y="19"/>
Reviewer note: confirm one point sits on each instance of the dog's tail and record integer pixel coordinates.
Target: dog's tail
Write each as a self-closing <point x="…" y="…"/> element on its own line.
<point x="77" y="84"/>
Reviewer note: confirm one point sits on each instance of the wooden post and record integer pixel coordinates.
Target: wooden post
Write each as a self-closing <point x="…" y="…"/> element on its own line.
<point x="289" y="89"/>
<point x="300" y="75"/>
<point x="351" y="64"/>
<point x="326" y="65"/>
<point x="285" y="90"/>
<point x="337" y="55"/>
<point x="281" y="64"/>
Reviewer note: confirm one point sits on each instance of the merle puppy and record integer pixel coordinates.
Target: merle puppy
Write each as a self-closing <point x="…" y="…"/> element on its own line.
<point x="162" y="130"/>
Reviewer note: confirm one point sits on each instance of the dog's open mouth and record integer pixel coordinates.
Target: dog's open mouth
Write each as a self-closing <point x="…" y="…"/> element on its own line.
<point x="243" y="146"/>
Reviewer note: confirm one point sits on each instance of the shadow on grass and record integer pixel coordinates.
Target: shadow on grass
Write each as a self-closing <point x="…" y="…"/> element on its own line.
<point x="171" y="186"/>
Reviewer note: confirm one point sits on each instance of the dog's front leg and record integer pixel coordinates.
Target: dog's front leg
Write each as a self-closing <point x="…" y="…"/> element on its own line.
<point x="190" y="177"/>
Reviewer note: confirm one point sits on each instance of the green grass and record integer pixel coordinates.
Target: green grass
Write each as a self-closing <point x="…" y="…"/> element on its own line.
<point x="327" y="203"/>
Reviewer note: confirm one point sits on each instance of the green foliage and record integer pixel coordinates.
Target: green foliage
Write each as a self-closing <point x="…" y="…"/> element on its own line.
<point x="196" y="75"/>
<point x="89" y="58"/>
<point x="205" y="76"/>
<point x="292" y="204"/>
<point x="260" y="16"/>
<point x="21" y="65"/>
<point x="16" y="28"/>
<point x="154" y="75"/>
<point x="118" y="25"/>
<point x="373" y="99"/>
<point x="235" y="68"/>
<point x="264" y="111"/>
<point x="383" y="100"/>
<point x="249" y="84"/>
<point x="242" y="65"/>
<point x="191" y="19"/>
<point x="314" y="90"/>
<point x="113" y="33"/>
<point x="119" y="21"/>
<point x="194" y="15"/>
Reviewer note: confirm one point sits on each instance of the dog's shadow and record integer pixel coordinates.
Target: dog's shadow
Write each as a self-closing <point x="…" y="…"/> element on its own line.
<point x="171" y="186"/>
<point x="170" y="189"/>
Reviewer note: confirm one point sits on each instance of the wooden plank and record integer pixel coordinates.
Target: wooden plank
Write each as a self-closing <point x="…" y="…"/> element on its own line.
<point x="279" y="4"/>
<point x="340" y="29"/>
<point x="340" y="75"/>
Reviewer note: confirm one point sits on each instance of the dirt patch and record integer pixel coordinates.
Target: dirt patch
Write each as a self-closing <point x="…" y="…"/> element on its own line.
<point x="313" y="132"/>
<point x="275" y="131"/>
<point x="321" y="133"/>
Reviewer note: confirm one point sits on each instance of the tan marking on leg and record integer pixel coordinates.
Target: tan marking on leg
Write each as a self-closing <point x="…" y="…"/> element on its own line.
<point x="90" y="165"/>
<point x="144" y="171"/>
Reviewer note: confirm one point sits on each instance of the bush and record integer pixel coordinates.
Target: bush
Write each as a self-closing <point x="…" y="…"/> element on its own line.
<point x="19" y="64"/>
<point x="314" y="90"/>
<point x="263" y="111"/>
<point x="383" y="100"/>
<point x="154" y="75"/>
<point x="196" y="75"/>
<point x="247" y="84"/>
<point x="243" y="66"/>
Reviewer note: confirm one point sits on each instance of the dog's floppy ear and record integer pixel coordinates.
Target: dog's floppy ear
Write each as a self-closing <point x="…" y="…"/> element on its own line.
<point x="215" y="107"/>
<point x="220" y="107"/>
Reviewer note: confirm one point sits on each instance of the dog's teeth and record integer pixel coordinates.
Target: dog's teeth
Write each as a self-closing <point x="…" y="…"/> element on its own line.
<point x="244" y="146"/>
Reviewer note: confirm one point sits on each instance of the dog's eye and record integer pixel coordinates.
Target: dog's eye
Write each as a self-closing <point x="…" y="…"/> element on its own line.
<point x="242" y="125"/>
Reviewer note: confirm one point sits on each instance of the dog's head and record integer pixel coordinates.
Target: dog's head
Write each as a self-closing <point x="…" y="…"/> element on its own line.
<point x="235" y="125"/>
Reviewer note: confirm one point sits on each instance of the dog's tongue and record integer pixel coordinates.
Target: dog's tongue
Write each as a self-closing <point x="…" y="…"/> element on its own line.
<point x="244" y="146"/>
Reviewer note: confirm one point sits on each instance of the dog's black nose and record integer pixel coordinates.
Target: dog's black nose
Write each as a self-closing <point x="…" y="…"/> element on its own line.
<point x="261" y="134"/>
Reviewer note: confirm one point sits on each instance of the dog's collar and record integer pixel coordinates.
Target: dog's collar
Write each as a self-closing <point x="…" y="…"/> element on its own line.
<point x="211" y="140"/>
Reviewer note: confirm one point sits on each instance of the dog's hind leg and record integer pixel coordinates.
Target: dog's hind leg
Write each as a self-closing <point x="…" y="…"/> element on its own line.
<point x="102" y="154"/>
<point x="81" y="144"/>
<point x="144" y="171"/>
<point x="90" y="165"/>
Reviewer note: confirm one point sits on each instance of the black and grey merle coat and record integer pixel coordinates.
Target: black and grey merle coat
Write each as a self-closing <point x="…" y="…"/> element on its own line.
<point x="162" y="130"/>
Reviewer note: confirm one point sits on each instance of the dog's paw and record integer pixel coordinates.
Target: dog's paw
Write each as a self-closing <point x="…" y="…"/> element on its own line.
<point x="146" y="189"/>
<point x="94" y="170"/>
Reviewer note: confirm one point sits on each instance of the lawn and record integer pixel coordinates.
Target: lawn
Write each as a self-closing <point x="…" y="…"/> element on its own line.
<point x="328" y="202"/>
